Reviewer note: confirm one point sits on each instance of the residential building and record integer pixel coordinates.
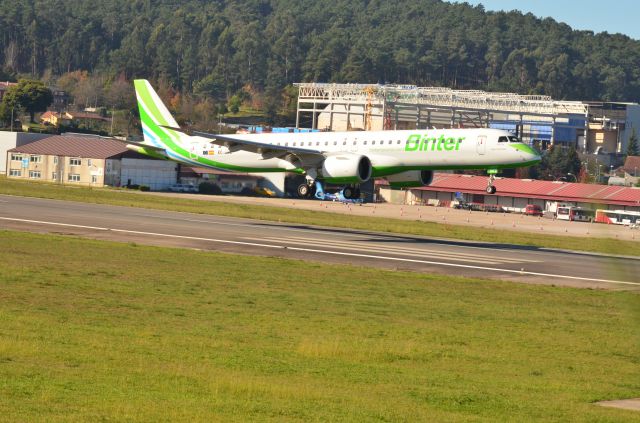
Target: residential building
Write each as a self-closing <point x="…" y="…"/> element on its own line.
<point x="87" y="160"/>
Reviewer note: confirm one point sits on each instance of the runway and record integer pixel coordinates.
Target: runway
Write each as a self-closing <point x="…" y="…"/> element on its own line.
<point x="331" y="245"/>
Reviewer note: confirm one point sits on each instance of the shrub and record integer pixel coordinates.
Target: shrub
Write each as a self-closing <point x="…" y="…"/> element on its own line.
<point x="209" y="188"/>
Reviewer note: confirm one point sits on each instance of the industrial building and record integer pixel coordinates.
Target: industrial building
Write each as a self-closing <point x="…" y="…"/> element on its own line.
<point x="515" y="194"/>
<point x="87" y="160"/>
<point x="592" y="127"/>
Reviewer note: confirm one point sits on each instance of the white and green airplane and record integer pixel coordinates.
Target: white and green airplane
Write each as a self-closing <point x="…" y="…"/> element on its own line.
<point x="404" y="158"/>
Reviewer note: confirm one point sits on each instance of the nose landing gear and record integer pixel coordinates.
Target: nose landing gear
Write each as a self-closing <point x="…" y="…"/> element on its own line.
<point x="492" y="177"/>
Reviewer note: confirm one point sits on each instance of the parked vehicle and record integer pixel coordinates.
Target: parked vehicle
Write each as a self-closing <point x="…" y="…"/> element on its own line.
<point x="618" y="217"/>
<point x="183" y="188"/>
<point x="576" y="214"/>
<point x="533" y="210"/>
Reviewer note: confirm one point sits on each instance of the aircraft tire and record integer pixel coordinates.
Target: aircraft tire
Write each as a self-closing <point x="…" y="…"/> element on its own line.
<point x="491" y="189"/>
<point x="348" y="192"/>
<point x="304" y="191"/>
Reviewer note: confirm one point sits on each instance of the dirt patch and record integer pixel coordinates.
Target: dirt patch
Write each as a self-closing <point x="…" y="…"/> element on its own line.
<point x="628" y="404"/>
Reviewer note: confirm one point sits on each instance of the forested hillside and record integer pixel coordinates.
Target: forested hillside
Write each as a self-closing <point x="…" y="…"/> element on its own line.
<point x="212" y="48"/>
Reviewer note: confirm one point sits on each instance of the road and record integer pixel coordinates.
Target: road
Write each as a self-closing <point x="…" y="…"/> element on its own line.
<point x="331" y="245"/>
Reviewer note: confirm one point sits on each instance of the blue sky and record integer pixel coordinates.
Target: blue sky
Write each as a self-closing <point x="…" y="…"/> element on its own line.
<point x="612" y="16"/>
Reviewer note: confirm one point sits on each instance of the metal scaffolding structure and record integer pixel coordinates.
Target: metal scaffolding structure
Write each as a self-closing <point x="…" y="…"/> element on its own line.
<point x="409" y="106"/>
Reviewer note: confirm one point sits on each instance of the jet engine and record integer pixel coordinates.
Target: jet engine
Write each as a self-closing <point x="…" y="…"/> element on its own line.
<point x="411" y="179"/>
<point x="346" y="168"/>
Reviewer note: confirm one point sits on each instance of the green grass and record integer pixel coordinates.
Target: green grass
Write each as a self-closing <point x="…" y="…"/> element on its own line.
<point x="434" y="229"/>
<point x="99" y="331"/>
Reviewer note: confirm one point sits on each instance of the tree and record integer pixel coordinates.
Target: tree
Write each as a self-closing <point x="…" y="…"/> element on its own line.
<point x="32" y="95"/>
<point x="633" y="149"/>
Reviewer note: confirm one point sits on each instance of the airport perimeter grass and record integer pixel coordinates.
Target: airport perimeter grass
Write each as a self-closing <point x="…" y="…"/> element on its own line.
<point x="103" y="331"/>
<point x="132" y="199"/>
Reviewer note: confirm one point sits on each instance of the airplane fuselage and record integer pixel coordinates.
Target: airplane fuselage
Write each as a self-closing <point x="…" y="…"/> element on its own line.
<point x="389" y="151"/>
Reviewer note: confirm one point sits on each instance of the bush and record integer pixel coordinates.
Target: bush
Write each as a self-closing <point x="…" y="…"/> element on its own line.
<point x="209" y="188"/>
<point x="144" y="188"/>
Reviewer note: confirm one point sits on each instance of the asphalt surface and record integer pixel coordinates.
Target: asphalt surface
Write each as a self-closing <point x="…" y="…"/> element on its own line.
<point x="331" y="245"/>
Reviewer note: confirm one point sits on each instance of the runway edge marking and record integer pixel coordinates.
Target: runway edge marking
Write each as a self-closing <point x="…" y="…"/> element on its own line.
<point x="312" y="250"/>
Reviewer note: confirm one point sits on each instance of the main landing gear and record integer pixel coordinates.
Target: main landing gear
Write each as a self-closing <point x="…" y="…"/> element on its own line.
<point x="315" y="189"/>
<point x="351" y="192"/>
<point x="306" y="190"/>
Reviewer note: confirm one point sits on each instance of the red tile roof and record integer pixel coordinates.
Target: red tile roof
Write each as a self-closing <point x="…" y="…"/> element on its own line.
<point x="632" y="165"/>
<point x="75" y="146"/>
<point x="527" y="188"/>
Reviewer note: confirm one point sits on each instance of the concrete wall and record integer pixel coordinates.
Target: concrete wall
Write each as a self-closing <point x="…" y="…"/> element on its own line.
<point x="337" y="121"/>
<point x="9" y="140"/>
<point x="632" y="122"/>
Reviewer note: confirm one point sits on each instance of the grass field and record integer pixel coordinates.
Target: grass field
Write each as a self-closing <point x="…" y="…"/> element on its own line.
<point x="124" y="198"/>
<point x="98" y="331"/>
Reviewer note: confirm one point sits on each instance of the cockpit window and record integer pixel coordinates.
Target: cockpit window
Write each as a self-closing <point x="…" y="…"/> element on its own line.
<point x="503" y="139"/>
<point x="514" y="139"/>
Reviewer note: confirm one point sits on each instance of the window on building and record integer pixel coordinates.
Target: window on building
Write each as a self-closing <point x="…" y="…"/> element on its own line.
<point x="75" y="161"/>
<point x="16" y="157"/>
<point x="54" y="176"/>
<point x="15" y="172"/>
<point x="94" y="179"/>
<point x="55" y="160"/>
<point x="73" y="177"/>
<point x="89" y="163"/>
<point x="34" y="174"/>
<point x="35" y="159"/>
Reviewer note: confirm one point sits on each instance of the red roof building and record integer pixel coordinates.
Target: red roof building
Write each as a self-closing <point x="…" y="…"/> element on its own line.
<point x="517" y="193"/>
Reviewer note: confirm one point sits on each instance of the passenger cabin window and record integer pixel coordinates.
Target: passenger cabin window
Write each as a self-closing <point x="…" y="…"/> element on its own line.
<point x="503" y="139"/>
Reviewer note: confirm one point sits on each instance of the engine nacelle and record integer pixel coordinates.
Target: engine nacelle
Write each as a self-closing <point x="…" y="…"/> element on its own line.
<point x="346" y="168"/>
<point x="411" y="179"/>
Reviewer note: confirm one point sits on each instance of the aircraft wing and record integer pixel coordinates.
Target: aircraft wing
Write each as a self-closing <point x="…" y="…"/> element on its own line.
<point x="266" y="149"/>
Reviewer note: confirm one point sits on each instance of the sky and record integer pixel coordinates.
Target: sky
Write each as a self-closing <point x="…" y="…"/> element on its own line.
<point x="614" y="16"/>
